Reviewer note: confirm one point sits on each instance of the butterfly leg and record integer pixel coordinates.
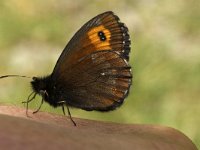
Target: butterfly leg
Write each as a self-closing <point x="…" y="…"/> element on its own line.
<point x="63" y="109"/>
<point x="39" y="106"/>
<point x="43" y="93"/>
<point x="70" y="116"/>
<point x="29" y="99"/>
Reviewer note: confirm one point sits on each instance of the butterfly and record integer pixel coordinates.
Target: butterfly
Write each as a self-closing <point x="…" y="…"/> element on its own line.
<point x="92" y="72"/>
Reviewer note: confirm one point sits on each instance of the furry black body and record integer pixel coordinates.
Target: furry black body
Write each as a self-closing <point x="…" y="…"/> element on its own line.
<point x="47" y="89"/>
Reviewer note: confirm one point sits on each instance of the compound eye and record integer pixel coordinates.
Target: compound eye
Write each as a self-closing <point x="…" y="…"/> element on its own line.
<point x="34" y="78"/>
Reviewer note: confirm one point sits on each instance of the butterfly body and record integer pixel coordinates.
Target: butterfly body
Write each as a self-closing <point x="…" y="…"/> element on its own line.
<point x="92" y="73"/>
<point x="45" y="87"/>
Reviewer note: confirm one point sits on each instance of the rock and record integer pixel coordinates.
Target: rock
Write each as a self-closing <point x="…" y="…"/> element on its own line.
<point x="49" y="131"/>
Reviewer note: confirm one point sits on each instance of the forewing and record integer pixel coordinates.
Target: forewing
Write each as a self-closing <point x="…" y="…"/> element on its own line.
<point x="87" y="41"/>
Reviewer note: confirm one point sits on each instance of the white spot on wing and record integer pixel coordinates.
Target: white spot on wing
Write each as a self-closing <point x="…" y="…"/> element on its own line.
<point x="103" y="74"/>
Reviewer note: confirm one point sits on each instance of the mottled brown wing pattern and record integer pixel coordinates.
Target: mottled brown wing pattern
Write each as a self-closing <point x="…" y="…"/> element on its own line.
<point x="102" y="80"/>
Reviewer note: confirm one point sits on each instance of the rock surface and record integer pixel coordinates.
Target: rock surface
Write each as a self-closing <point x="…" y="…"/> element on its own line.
<point x="50" y="131"/>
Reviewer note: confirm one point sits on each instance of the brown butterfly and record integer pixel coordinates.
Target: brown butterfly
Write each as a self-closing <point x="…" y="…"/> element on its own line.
<point x="92" y="72"/>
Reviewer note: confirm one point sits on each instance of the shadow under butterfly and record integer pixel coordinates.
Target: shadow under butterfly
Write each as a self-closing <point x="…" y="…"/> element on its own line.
<point x="92" y="73"/>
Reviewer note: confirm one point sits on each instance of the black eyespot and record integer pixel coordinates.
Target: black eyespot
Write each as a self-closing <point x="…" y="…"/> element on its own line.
<point x="103" y="38"/>
<point x="101" y="35"/>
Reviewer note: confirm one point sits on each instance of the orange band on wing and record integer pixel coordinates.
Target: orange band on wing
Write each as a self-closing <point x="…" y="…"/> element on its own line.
<point x="96" y="39"/>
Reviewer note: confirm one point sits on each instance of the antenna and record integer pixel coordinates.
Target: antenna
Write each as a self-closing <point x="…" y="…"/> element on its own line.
<point x="5" y="76"/>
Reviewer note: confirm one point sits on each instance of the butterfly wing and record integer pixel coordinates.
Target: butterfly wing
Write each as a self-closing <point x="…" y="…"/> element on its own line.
<point x="92" y="72"/>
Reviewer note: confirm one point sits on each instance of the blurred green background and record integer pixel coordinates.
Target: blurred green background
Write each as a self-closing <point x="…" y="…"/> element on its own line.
<point x="165" y="55"/>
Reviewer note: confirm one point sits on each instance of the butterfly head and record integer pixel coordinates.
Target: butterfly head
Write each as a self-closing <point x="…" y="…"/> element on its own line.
<point x="39" y="85"/>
